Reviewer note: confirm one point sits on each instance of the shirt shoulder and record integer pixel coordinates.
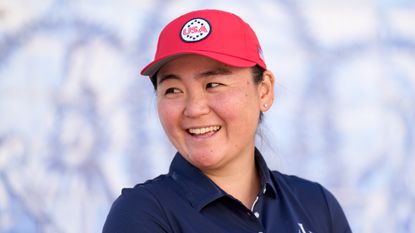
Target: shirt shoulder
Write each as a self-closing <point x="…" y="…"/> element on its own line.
<point x="298" y="186"/>
<point x="138" y="209"/>
<point x="319" y="203"/>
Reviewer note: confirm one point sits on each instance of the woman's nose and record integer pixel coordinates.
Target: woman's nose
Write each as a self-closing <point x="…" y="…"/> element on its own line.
<point x="196" y="105"/>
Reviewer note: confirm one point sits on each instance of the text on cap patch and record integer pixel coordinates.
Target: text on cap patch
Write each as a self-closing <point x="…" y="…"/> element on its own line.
<point x="195" y="30"/>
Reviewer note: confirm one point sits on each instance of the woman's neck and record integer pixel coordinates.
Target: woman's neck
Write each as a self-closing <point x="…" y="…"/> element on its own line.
<point x="242" y="181"/>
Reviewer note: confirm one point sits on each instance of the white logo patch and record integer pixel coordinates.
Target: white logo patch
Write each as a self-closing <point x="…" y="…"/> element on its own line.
<point x="195" y="30"/>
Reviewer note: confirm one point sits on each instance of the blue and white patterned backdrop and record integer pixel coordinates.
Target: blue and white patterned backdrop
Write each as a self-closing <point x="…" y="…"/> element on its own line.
<point x="78" y="123"/>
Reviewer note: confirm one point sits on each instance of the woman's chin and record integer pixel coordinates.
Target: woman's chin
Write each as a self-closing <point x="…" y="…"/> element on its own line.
<point x="205" y="160"/>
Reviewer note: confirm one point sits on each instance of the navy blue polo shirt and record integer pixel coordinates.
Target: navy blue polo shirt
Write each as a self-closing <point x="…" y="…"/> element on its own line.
<point x="185" y="200"/>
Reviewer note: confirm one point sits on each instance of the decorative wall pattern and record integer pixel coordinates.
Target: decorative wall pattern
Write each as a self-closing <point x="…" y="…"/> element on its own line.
<point x="77" y="122"/>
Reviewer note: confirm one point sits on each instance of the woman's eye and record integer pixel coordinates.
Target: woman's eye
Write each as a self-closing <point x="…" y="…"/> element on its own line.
<point x="172" y="90"/>
<point x="212" y="85"/>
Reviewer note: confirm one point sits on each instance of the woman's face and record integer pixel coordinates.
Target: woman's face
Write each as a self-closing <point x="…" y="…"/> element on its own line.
<point x="209" y="110"/>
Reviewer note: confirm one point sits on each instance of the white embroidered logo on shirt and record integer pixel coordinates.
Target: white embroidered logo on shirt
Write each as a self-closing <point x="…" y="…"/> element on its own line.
<point x="302" y="230"/>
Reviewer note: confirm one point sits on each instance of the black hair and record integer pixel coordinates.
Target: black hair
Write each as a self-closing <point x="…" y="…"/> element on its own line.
<point x="258" y="75"/>
<point x="153" y="80"/>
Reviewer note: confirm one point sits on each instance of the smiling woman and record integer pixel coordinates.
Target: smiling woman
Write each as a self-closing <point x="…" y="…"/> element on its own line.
<point x="212" y="87"/>
<point x="210" y="112"/>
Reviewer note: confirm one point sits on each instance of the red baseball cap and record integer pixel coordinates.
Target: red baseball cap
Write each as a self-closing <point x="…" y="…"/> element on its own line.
<point x="216" y="34"/>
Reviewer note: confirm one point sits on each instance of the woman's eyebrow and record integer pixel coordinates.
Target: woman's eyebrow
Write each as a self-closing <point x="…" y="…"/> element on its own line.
<point x="216" y="71"/>
<point x="165" y="77"/>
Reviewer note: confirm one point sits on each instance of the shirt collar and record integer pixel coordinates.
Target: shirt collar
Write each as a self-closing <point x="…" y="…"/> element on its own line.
<point x="267" y="184"/>
<point x="200" y="190"/>
<point x="197" y="187"/>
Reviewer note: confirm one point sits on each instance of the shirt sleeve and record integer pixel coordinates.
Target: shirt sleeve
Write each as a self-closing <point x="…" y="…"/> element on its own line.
<point x="338" y="219"/>
<point x="136" y="211"/>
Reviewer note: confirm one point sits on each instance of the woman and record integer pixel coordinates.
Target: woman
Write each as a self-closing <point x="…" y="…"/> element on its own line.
<point x="212" y="88"/>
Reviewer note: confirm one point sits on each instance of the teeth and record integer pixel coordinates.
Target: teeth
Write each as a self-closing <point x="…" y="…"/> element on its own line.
<point x="199" y="131"/>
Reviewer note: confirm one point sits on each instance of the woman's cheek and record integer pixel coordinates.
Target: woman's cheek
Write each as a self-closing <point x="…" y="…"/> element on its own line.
<point x="167" y="113"/>
<point x="230" y="104"/>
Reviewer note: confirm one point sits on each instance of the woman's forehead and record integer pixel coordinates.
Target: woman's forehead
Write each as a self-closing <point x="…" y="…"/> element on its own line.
<point x="190" y="61"/>
<point x="194" y="65"/>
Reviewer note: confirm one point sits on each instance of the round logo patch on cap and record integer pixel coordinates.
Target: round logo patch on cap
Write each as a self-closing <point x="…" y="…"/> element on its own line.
<point x="195" y="30"/>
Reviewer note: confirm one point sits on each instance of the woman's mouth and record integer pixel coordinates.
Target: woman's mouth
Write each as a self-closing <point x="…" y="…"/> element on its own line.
<point x="203" y="130"/>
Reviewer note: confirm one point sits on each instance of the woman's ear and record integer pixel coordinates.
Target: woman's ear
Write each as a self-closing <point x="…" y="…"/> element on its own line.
<point x="266" y="90"/>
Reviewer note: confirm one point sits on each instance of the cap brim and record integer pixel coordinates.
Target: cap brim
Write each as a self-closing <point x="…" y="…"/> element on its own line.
<point x="154" y="66"/>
